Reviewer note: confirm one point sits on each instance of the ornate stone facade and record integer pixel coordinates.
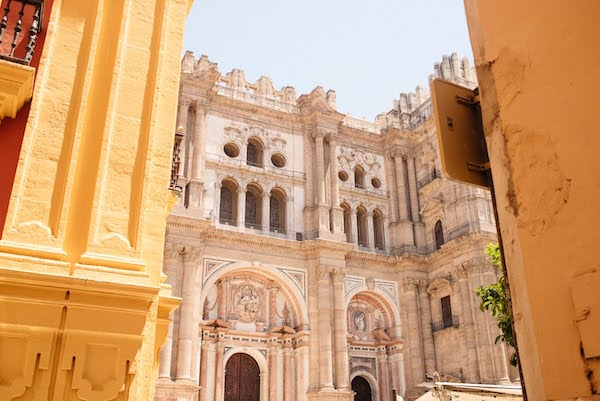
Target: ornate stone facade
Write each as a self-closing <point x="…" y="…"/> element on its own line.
<point x="328" y="249"/>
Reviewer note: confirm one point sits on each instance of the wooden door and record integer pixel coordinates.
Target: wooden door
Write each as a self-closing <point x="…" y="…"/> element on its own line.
<point x="242" y="379"/>
<point x="362" y="389"/>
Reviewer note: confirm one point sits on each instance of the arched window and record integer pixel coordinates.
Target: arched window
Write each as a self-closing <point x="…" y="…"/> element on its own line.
<point x="277" y="211"/>
<point x="439" y="235"/>
<point x="254" y="153"/>
<point x="359" y="177"/>
<point x="361" y="225"/>
<point x="228" y="203"/>
<point x="253" y="206"/>
<point x="347" y="222"/>
<point x="378" y="227"/>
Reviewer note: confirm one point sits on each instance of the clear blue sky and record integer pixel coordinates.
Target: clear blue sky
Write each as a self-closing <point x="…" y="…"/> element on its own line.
<point x="367" y="51"/>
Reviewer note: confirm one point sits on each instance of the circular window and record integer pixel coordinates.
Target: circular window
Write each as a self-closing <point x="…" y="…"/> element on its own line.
<point x="342" y="175"/>
<point x="376" y="183"/>
<point x="278" y="160"/>
<point x="231" y="149"/>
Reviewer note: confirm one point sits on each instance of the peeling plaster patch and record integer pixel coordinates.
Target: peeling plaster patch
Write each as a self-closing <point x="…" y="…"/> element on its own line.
<point x="510" y="72"/>
<point x="534" y="170"/>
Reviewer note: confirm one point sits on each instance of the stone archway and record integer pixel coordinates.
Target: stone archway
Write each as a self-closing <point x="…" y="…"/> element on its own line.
<point x="242" y="378"/>
<point x="361" y="388"/>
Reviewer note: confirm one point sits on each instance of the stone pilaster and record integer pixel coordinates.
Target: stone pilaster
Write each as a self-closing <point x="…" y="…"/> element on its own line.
<point x="196" y="184"/>
<point x="342" y="375"/>
<point x="187" y="325"/>
<point x="383" y="376"/>
<point x="272" y="352"/>
<point x="337" y="214"/>
<point x="219" y="369"/>
<point x="425" y="315"/>
<point x="465" y="298"/>
<point x="324" y="326"/>
<point x="416" y="364"/>
<point x="400" y="186"/>
<point x="320" y="166"/>
<point x="412" y="190"/>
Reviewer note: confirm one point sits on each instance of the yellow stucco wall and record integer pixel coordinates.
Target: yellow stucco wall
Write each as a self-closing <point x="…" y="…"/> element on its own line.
<point x="81" y="304"/>
<point x="537" y="67"/>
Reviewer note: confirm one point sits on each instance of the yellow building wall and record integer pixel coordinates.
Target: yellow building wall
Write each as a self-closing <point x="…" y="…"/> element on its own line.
<point x="82" y="307"/>
<point x="537" y="67"/>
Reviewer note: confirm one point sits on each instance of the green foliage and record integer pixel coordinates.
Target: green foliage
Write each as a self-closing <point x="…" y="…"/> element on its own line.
<point x="494" y="299"/>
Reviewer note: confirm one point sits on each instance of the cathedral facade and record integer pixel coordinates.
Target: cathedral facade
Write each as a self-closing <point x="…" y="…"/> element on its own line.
<point x="320" y="256"/>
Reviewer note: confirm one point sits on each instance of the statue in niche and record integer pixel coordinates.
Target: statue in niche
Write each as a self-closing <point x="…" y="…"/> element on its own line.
<point x="360" y="321"/>
<point x="247" y="303"/>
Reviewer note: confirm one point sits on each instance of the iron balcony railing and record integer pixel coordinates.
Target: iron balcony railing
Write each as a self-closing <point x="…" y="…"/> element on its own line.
<point x="445" y="323"/>
<point x="21" y="23"/>
<point x="432" y="175"/>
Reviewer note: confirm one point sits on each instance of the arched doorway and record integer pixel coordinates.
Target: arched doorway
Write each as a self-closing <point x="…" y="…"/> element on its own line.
<point x="242" y="379"/>
<point x="361" y="388"/>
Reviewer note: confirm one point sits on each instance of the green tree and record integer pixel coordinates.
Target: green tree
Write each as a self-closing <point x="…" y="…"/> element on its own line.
<point x="494" y="298"/>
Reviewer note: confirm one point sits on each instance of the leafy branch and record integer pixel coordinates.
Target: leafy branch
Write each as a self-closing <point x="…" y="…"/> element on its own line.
<point x="494" y="298"/>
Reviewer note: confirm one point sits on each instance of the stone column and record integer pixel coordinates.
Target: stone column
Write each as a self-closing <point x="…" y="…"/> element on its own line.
<point x="164" y="371"/>
<point x="398" y="373"/>
<point x="189" y="142"/>
<point x="241" y="207"/>
<point x="197" y="180"/>
<point x="337" y="213"/>
<point x="324" y="324"/>
<point x="182" y="124"/>
<point x="204" y="369"/>
<point x="335" y="193"/>
<point x="400" y="187"/>
<point x="289" y="216"/>
<point x="383" y="376"/>
<point x="386" y="234"/>
<point x="187" y="324"/>
<point x="196" y="354"/>
<point x="390" y="169"/>
<point x="412" y="189"/>
<point x="320" y="165"/>
<point x="417" y="358"/>
<point x="425" y="314"/>
<point x="217" y="209"/>
<point x="265" y="210"/>
<point x="287" y="369"/>
<point x="219" y="370"/>
<point x="465" y="299"/>
<point x="370" y="230"/>
<point x="171" y="261"/>
<point x="302" y="371"/>
<point x="272" y="362"/>
<point x="353" y="226"/>
<point x="339" y="331"/>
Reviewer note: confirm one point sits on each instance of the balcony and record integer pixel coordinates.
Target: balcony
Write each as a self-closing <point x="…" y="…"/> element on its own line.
<point x="446" y="323"/>
<point x="20" y="25"/>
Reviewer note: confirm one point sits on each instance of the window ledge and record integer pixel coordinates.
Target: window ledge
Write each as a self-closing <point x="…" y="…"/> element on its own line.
<point x="16" y="87"/>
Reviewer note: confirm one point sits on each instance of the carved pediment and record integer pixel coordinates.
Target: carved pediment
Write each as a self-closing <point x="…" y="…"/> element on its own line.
<point x="438" y="286"/>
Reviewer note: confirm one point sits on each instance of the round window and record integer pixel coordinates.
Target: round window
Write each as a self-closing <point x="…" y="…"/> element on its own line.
<point x="231" y="149"/>
<point x="342" y="175"/>
<point x="278" y="160"/>
<point x="376" y="183"/>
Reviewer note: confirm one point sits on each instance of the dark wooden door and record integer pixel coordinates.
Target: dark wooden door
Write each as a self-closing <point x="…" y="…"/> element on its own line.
<point x="242" y="379"/>
<point x="362" y="389"/>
